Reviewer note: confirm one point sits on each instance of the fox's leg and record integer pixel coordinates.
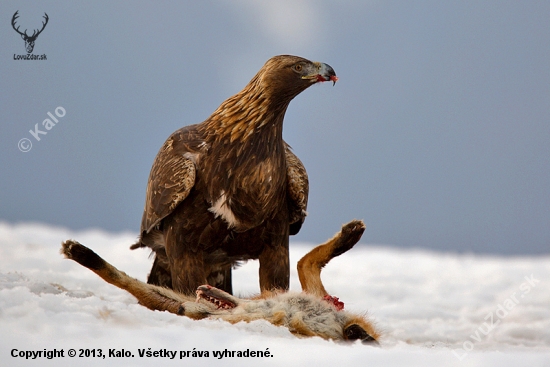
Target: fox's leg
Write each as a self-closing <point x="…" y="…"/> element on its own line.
<point x="195" y="310"/>
<point x="309" y="266"/>
<point x="349" y="235"/>
<point x="150" y="296"/>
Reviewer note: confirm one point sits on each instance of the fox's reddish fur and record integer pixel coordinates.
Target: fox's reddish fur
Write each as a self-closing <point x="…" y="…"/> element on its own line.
<point x="309" y="313"/>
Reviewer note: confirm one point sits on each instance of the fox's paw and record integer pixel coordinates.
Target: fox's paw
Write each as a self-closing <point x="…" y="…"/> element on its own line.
<point x="67" y="247"/>
<point x="82" y="255"/>
<point x="352" y="232"/>
<point x="349" y="235"/>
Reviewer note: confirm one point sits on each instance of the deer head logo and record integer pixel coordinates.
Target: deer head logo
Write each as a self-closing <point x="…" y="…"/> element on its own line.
<point x="29" y="40"/>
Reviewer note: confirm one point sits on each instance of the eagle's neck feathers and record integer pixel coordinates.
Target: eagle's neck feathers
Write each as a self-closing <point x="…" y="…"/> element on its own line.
<point x="255" y="112"/>
<point x="245" y="166"/>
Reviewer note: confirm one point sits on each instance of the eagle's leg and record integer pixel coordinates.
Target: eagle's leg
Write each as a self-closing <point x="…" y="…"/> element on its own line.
<point x="159" y="275"/>
<point x="187" y="272"/>
<point x="187" y="267"/>
<point x="274" y="267"/>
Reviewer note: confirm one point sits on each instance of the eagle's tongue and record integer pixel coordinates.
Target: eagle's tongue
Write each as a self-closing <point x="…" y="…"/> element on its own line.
<point x="321" y="78"/>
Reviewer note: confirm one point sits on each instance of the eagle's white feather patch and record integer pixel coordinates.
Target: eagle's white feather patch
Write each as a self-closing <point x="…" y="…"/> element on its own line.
<point x="221" y="209"/>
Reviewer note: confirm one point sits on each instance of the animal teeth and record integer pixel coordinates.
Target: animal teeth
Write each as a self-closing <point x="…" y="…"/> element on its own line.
<point x="199" y="295"/>
<point x="216" y="301"/>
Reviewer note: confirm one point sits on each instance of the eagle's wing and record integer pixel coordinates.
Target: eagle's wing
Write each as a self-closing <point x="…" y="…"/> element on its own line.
<point x="298" y="190"/>
<point x="171" y="179"/>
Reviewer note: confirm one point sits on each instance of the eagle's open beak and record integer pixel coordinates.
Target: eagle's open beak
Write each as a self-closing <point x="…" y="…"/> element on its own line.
<point x="324" y="73"/>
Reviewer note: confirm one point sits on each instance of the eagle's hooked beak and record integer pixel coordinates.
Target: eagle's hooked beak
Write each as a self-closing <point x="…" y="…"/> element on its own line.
<point x="324" y="73"/>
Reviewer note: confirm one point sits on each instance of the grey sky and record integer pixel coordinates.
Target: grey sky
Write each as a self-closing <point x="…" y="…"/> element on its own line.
<point x="437" y="134"/>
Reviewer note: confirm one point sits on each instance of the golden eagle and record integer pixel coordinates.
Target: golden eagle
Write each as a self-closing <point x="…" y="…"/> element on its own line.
<point x="230" y="188"/>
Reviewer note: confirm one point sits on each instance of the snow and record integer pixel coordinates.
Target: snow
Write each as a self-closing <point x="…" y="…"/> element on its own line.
<point x="435" y="309"/>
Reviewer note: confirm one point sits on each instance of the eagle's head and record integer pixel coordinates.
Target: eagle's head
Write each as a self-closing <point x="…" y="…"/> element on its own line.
<point x="263" y="101"/>
<point x="287" y="75"/>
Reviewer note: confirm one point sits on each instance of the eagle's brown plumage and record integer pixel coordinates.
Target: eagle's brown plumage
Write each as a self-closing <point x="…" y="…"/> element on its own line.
<point x="230" y="188"/>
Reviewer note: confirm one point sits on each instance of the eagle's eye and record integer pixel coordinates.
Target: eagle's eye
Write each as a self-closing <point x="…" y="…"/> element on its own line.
<point x="298" y="67"/>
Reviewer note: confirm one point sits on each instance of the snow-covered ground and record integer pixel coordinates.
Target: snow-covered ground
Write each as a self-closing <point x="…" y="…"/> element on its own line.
<point x="434" y="309"/>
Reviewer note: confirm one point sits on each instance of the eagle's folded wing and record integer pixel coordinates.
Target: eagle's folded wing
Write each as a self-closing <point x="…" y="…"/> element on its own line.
<point x="298" y="189"/>
<point x="171" y="179"/>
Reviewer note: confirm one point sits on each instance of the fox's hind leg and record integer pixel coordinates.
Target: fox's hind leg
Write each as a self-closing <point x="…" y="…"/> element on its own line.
<point x="309" y="266"/>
